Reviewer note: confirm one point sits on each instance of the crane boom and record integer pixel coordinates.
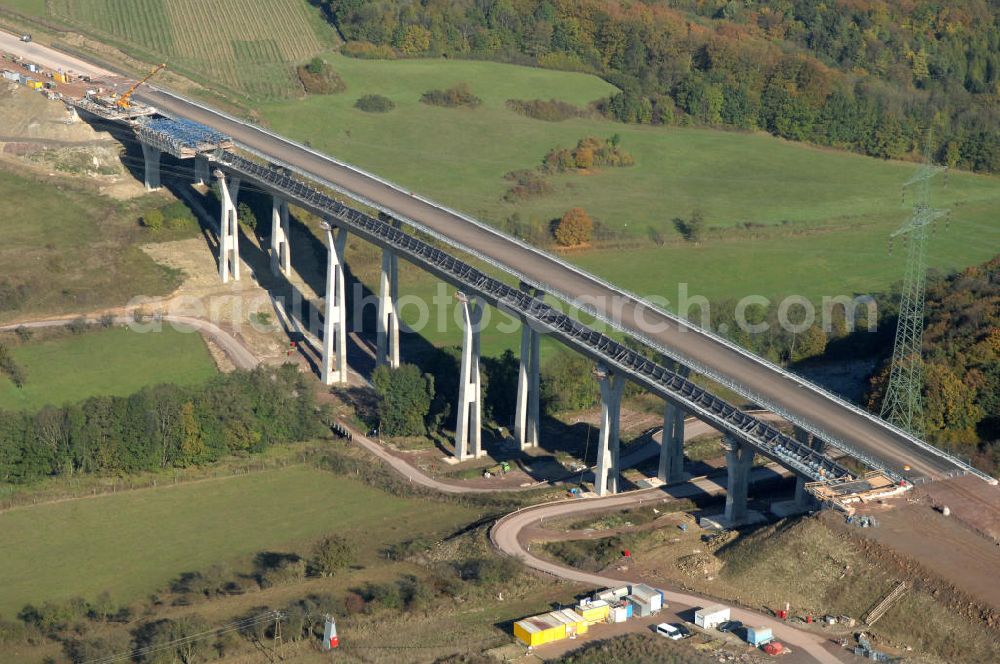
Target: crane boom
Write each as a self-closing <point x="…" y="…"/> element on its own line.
<point x="125" y="100"/>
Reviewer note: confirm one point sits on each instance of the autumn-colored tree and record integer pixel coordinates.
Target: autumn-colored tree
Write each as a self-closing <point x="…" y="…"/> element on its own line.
<point x="575" y="228"/>
<point x="585" y="158"/>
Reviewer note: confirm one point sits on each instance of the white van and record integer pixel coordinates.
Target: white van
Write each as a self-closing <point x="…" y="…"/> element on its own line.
<point x="675" y="632"/>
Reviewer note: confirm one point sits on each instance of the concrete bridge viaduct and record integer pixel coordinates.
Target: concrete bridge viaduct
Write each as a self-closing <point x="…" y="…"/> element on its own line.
<point x="270" y="166"/>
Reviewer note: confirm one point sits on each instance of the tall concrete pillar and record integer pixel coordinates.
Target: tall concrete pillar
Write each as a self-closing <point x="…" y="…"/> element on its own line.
<point x="468" y="425"/>
<point x="527" y="412"/>
<point x="280" y="233"/>
<point x="739" y="462"/>
<point x="201" y="175"/>
<point x="229" y="231"/>
<point x="151" y="161"/>
<point x="334" y="368"/>
<point x="803" y="500"/>
<point x="671" y="468"/>
<point x="609" y="445"/>
<point x="387" y="340"/>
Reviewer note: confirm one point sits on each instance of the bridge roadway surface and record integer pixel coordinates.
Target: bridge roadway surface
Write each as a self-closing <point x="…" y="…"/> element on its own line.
<point x="760" y="382"/>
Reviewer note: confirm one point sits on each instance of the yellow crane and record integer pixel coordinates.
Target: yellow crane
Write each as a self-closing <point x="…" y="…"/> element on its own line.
<point x="126" y="99"/>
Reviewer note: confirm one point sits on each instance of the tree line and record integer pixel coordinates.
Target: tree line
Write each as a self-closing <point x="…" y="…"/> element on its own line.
<point x="160" y="427"/>
<point x="865" y="76"/>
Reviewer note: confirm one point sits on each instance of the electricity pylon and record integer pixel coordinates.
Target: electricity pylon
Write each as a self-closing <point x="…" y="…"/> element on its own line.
<point x="903" y="401"/>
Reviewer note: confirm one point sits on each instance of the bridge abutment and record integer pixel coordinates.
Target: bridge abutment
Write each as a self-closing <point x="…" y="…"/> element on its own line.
<point x="229" y="231"/>
<point x="151" y="165"/>
<point x="609" y="446"/>
<point x="387" y="339"/>
<point x="739" y="462"/>
<point x="671" y="467"/>
<point x="280" y="232"/>
<point x="468" y="425"/>
<point x="527" y="411"/>
<point x="334" y="369"/>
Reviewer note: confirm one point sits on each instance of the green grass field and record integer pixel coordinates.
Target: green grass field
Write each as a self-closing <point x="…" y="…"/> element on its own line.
<point x="249" y="46"/>
<point x="826" y="215"/>
<point x="133" y="543"/>
<point x="72" y="250"/>
<point x="115" y="361"/>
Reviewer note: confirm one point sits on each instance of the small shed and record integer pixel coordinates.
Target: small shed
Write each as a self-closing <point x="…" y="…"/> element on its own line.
<point x="711" y="616"/>
<point x="537" y="630"/>
<point x="594" y="611"/>
<point x="758" y="636"/>
<point x="612" y="595"/>
<point x="647" y="601"/>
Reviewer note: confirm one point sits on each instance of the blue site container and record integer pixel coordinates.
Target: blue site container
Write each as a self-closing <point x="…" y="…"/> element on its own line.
<point x="758" y="636"/>
<point x="628" y="609"/>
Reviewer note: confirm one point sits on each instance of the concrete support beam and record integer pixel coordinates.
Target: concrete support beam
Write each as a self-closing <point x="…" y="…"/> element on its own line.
<point x="201" y="174"/>
<point x="468" y="426"/>
<point x="527" y="412"/>
<point x="609" y="445"/>
<point x="739" y="461"/>
<point x="387" y="339"/>
<point x="671" y="468"/>
<point x="151" y="161"/>
<point x="281" y="260"/>
<point x="334" y="359"/>
<point x="229" y="230"/>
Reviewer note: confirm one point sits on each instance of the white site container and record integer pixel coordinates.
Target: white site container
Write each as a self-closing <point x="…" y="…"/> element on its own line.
<point x="711" y="616"/>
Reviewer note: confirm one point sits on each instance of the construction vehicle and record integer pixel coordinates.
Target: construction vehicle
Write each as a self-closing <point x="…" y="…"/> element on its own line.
<point x="125" y="101"/>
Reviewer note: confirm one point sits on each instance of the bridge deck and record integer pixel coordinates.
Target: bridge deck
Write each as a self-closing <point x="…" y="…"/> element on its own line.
<point x="849" y="429"/>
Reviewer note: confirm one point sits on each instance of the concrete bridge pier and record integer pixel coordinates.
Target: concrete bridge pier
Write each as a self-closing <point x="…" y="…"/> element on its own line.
<point x="387" y="339"/>
<point x="671" y="468"/>
<point x="151" y="162"/>
<point x="280" y="233"/>
<point x="468" y="425"/>
<point x="334" y="369"/>
<point x="526" y="417"/>
<point x="802" y="501"/>
<point x="201" y="174"/>
<point x="739" y="462"/>
<point x="609" y="446"/>
<point x="229" y="231"/>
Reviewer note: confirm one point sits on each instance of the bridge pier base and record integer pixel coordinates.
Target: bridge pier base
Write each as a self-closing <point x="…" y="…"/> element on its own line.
<point x="739" y="462"/>
<point x="526" y="417"/>
<point x="229" y="231"/>
<point x="280" y="232"/>
<point x="671" y="468"/>
<point x="334" y="367"/>
<point x="201" y="174"/>
<point x="151" y="163"/>
<point x="387" y="340"/>
<point x="468" y="425"/>
<point x="609" y="447"/>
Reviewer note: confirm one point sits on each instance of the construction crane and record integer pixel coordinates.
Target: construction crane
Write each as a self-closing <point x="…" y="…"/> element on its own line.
<point x="125" y="100"/>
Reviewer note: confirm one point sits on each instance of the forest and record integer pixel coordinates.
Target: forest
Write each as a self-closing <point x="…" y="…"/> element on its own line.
<point x="866" y="75"/>
<point x="961" y="349"/>
<point x="160" y="427"/>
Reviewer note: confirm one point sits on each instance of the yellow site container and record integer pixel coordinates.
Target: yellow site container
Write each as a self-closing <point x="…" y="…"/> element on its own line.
<point x="574" y="622"/>
<point x="59" y="77"/>
<point x="594" y="612"/>
<point x="538" y="630"/>
<point x="35" y="85"/>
